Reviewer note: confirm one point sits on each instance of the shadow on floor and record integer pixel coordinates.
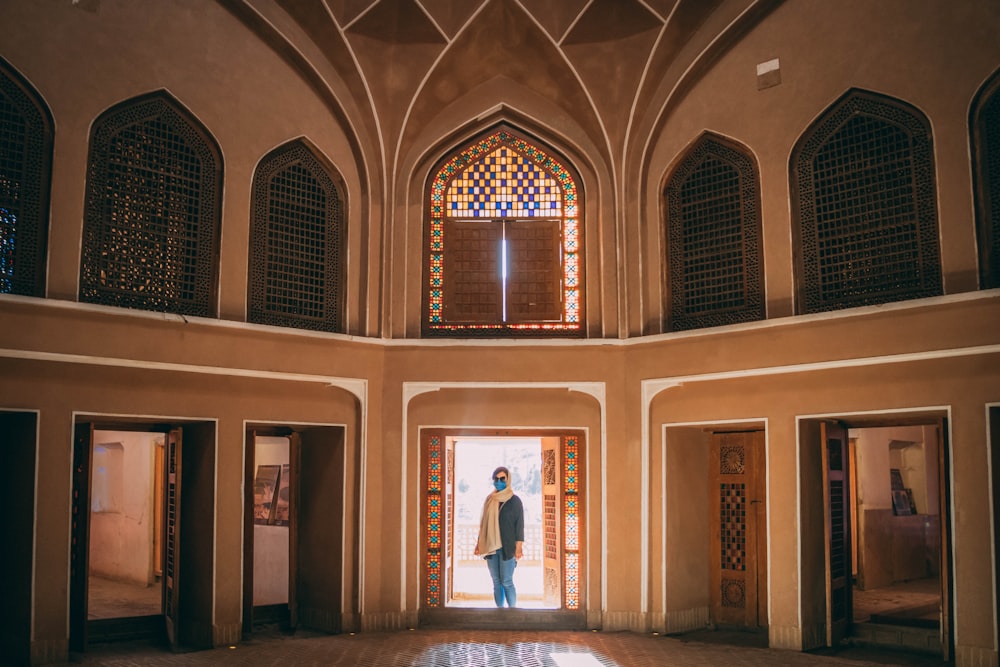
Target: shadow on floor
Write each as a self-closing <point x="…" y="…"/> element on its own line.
<point x="747" y="639"/>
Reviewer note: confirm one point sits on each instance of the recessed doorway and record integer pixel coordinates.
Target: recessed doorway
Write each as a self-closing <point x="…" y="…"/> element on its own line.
<point x="546" y="469"/>
<point x="875" y="506"/>
<point x="143" y="512"/>
<point x="475" y="460"/>
<point x="293" y="565"/>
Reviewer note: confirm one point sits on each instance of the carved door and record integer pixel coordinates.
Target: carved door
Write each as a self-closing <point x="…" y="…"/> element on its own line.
<point x="738" y="549"/>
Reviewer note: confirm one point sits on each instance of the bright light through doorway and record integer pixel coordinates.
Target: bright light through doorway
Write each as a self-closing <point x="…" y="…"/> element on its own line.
<point x="575" y="660"/>
<point x="475" y="460"/>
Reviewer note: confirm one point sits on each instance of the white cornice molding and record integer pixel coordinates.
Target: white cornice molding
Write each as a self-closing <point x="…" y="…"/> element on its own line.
<point x="356" y="386"/>
<point x="713" y="332"/>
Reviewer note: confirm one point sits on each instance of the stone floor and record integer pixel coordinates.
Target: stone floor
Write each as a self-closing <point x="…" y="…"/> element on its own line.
<point x="488" y="648"/>
<point x="465" y="648"/>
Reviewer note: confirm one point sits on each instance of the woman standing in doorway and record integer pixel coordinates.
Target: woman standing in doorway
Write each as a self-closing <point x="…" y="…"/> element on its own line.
<point x="501" y="536"/>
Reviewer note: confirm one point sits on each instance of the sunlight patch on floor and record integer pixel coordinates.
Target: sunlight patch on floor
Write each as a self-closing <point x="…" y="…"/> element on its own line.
<point x="575" y="660"/>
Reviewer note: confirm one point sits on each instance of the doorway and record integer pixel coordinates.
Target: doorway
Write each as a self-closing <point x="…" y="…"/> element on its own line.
<point x="142" y="531"/>
<point x="293" y="569"/>
<point x="546" y="470"/>
<point x="17" y="497"/>
<point x="881" y="484"/>
<point x="475" y="459"/>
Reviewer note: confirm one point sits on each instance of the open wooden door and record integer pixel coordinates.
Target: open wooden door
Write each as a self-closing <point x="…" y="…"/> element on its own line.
<point x="944" y="485"/>
<point x="249" y="467"/>
<point x="551" y="505"/>
<point x="171" y="541"/>
<point x="83" y="440"/>
<point x="317" y="510"/>
<point x="839" y="606"/>
<point x="738" y="515"/>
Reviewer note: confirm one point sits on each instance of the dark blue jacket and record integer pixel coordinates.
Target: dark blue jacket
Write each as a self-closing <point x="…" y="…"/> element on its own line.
<point x="511" y="526"/>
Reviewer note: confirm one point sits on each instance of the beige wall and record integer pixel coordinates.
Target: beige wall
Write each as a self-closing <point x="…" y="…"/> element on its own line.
<point x="641" y="399"/>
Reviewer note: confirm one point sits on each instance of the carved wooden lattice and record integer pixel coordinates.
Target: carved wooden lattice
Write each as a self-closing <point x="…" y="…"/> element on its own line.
<point x="297" y="238"/>
<point x="152" y="214"/>
<point x="986" y="149"/>
<point x="25" y="169"/>
<point x="713" y="238"/>
<point x="867" y="216"/>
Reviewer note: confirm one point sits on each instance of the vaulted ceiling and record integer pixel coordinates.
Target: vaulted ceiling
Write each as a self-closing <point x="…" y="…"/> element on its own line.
<point x="390" y="68"/>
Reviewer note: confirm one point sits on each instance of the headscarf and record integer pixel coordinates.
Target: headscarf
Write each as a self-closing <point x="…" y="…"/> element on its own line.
<point x="489" y="523"/>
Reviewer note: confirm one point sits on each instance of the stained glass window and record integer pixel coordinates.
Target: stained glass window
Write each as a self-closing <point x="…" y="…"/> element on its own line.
<point x="433" y="521"/>
<point x="25" y="166"/>
<point x="504" y="243"/>
<point x="571" y="521"/>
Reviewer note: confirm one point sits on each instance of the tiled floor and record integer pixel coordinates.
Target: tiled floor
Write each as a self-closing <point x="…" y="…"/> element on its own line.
<point x="447" y="648"/>
<point x="469" y="648"/>
<point x="923" y="595"/>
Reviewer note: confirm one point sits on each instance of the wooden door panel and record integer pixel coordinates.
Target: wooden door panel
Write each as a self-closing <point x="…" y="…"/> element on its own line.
<point x="83" y="446"/>
<point x="838" y="530"/>
<point x="171" y="542"/>
<point x="738" y="546"/>
<point x="551" y="504"/>
<point x="472" y="278"/>
<point x="249" y="466"/>
<point x="319" y="534"/>
<point x="534" y="283"/>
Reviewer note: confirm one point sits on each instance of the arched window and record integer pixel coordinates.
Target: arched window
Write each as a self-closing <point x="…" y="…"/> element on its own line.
<point x="504" y="244"/>
<point x="150" y="227"/>
<point x="296" y="243"/>
<point x="712" y="203"/>
<point x="864" y="206"/>
<point x="985" y="126"/>
<point x="25" y="170"/>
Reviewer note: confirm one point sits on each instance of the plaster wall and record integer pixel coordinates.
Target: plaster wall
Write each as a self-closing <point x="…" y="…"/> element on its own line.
<point x="882" y="48"/>
<point x="121" y="541"/>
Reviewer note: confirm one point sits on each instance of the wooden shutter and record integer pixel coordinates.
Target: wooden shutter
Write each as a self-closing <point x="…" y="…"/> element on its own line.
<point x="472" y="281"/>
<point x="534" y="278"/>
<point x="838" y="531"/>
<point x="79" y="568"/>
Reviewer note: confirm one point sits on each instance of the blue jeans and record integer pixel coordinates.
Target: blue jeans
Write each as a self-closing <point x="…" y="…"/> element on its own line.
<point x="502" y="572"/>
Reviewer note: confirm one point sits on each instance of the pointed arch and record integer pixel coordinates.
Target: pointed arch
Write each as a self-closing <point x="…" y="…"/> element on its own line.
<point x="711" y="203"/>
<point x="984" y="125"/>
<point x="504" y="242"/>
<point x="152" y="217"/>
<point x="26" y="135"/>
<point x="865" y="223"/>
<point x="297" y="241"/>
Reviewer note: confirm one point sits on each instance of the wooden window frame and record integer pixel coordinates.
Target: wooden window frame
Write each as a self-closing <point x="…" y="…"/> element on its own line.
<point x="441" y="317"/>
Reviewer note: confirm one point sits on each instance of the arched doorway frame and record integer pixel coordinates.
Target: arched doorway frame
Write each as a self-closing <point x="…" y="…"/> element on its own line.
<point x="411" y="569"/>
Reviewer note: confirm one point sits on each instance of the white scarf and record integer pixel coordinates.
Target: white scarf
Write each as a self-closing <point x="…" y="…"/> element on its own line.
<point x="489" y="524"/>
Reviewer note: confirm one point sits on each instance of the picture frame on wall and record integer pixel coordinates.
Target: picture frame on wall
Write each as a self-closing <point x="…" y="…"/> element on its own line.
<point x="896" y="477"/>
<point x="902" y="502"/>
<point x="265" y="491"/>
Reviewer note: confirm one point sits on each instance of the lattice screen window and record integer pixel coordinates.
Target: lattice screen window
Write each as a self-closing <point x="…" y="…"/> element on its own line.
<point x="863" y="195"/>
<point x="297" y="238"/>
<point x="504" y="250"/>
<point x="25" y="170"/>
<point x="712" y="203"/>
<point x="986" y="157"/>
<point x="150" y="238"/>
